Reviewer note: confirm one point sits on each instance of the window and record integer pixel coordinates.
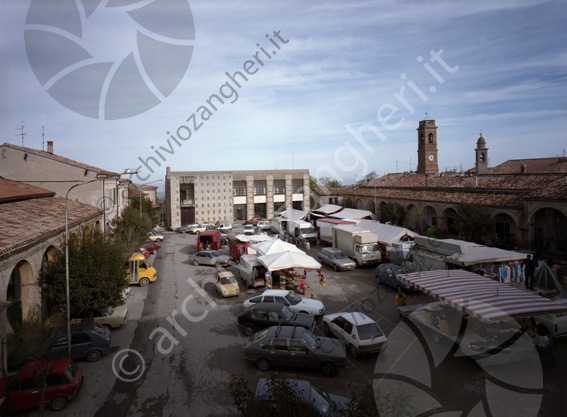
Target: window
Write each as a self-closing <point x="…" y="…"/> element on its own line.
<point x="297" y="186"/>
<point x="260" y="187"/>
<point x="279" y="344"/>
<point x="258" y="315"/>
<point x="297" y="205"/>
<point x="26" y="384"/>
<point x="269" y="299"/>
<point x="78" y="338"/>
<point x="431" y="138"/>
<point x="55" y="379"/>
<point x="256" y="300"/>
<point x="239" y="188"/>
<point x="348" y="327"/>
<point x="279" y="186"/>
<point x="273" y="316"/>
<point x="297" y="346"/>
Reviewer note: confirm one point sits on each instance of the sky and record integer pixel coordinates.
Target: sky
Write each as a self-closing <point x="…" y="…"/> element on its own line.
<point x="196" y="85"/>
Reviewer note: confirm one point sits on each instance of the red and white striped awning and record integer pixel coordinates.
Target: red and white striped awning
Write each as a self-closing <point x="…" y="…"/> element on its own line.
<point x="479" y="296"/>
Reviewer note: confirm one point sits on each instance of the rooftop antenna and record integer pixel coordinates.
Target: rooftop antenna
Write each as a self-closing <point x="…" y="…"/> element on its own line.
<point x="22" y="133"/>
<point x="426" y="115"/>
<point x="43" y="133"/>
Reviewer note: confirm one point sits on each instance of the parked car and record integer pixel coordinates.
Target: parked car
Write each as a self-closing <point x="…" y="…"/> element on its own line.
<point x="291" y="300"/>
<point x="361" y="334"/>
<point x="323" y="403"/>
<point x="387" y="274"/>
<point x="264" y="225"/>
<point x="155" y="236"/>
<point x="297" y="347"/>
<point x="208" y="257"/>
<point x="150" y="246"/>
<point x="143" y="251"/>
<point x="22" y="390"/>
<point x="186" y="228"/>
<point x="226" y="226"/>
<point x="197" y="229"/>
<point x="208" y="224"/>
<point x="249" y="229"/>
<point x="224" y="237"/>
<point x="263" y="315"/>
<point x="113" y="318"/>
<point x="226" y="284"/>
<point x="336" y="258"/>
<point x="254" y="220"/>
<point x="88" y="340"/>
<point x="555" y="323"/>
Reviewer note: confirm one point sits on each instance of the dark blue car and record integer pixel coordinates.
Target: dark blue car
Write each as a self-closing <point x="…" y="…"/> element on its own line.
<point x="387" y="274"/>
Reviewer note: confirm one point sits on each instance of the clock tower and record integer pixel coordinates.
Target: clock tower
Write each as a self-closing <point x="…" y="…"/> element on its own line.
<point x="427" y="148"/>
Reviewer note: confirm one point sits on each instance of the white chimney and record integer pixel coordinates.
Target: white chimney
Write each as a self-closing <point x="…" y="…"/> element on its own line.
<point x="50" y="146"/>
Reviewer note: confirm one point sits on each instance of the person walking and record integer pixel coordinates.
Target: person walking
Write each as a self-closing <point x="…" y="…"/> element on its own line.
<point x="528" y="265"/>
<point x="541" y="342"/>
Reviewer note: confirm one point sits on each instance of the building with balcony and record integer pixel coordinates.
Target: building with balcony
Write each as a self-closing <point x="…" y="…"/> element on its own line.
<point x="201" y="196"/>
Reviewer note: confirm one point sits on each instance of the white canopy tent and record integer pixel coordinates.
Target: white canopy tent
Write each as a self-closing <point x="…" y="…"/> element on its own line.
<point x="349" y="213"/>
<point x="293" y="214"/>
<point x="286" y="260"/>
<point x="327" y="209"/>
<point x="274" y="246"/>
<point x="387" y="234"/>
<point x="483" y="254"/>
<point x="253" y="238"/>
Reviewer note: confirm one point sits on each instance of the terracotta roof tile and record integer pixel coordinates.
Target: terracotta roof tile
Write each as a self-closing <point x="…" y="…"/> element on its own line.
<point x="26" y="221"/>
<point x="13" y="190"/>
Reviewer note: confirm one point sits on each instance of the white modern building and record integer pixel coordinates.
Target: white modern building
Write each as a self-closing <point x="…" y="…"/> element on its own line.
<point x="200" y="196"/>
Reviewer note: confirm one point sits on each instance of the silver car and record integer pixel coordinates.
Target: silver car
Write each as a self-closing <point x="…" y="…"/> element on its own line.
<point x="209" y="257"/>
<point x="336" y="258"/>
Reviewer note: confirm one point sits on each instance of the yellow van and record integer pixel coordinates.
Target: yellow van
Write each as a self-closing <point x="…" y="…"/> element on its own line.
<point x="139" y="272"/>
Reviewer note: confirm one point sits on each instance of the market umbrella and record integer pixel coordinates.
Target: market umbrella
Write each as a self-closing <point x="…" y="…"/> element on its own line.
<point x="545" y="280"/>
<point x="274" y="246"/>
<point x="286" y="260"/>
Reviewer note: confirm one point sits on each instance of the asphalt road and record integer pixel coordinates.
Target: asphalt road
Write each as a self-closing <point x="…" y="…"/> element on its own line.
<point x="185" y="345"/>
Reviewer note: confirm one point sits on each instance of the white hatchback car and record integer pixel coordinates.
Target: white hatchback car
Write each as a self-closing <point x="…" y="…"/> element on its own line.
<point x="292" y="301"/>
<point x="361" y="334"/>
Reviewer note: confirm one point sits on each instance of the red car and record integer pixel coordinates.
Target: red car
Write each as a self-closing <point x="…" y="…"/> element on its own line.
<point x="143" y="251"/>
<point x="22" y="390"/>
<point x="150" y="246"/>
<point x="254" y="220"/>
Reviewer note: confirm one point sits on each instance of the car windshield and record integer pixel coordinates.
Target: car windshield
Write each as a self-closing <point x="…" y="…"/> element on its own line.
<point x="319" y="400"/>
<point x="215" y="253"/>
<point x="109" y="311"/>
<point x="339" y="255"/>
<point x="260" y="335"/>
<point x="368" y="248"/>
<point x="286" y="313"/>
<point x="293" y="299"/>
<point x="369" y="331"/>
<point x="227" y="280"/>
<point x="71" y="371"/>
<point x="99" y="329"/>
<point x="310" y="340"/>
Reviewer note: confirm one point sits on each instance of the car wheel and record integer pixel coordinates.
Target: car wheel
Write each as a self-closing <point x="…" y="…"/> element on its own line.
<point x="353" y="352"/>
<point x="378" y="280"/>
<point x="59" y="403"/>
<point x="248" y="330"/>
<point x="108" y="326"/>
<point x="144" y="282"/>
<point x="94" y="355"/>
<point x="196" y="263"/>
<point x="328" y="369"/>
<point x="304" y="312"/>
<point x="217" y="264"/>
<point x="160" y="240"/>
<point x="356" y="263"/>
<point x="326" y="329"/>
<point x="263" y="364"/>
<point x="335" y="267"/>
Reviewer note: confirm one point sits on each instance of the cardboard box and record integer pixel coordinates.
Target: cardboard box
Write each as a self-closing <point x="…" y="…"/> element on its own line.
<point x="450" y="327"/>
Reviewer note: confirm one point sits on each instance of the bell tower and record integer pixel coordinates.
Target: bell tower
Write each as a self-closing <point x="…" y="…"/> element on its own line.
<point x="427" y="148"/>
<point x="481" y="163"/>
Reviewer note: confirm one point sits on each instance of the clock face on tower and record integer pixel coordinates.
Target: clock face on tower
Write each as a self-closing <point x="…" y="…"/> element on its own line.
<point x="431" y="157"/>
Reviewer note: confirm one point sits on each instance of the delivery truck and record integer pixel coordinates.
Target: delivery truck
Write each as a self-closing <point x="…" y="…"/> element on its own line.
<point x="209" y="240"/>
<point x="326" y="225"/>
<point x="358" y="244"/>
<point x="300" y="229"/>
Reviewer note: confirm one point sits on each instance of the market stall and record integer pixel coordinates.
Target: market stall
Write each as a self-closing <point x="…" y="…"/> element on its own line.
<point x="477" y="313"/>
<point x="283" y="267"/>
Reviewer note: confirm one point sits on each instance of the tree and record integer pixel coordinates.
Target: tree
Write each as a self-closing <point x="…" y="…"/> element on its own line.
<point x="34" y="337"/>
<point x="347" y="203"/>
<point x="473" y="222"/>
<point x="130" y="230"/>
<point x="96" y="272"/>
<point x="367" y="178"/>
<point x="329" y="183"/>
<point x="393" y="213"/>
<point x="149" y="213"/>
<point x="313" y="184"/>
